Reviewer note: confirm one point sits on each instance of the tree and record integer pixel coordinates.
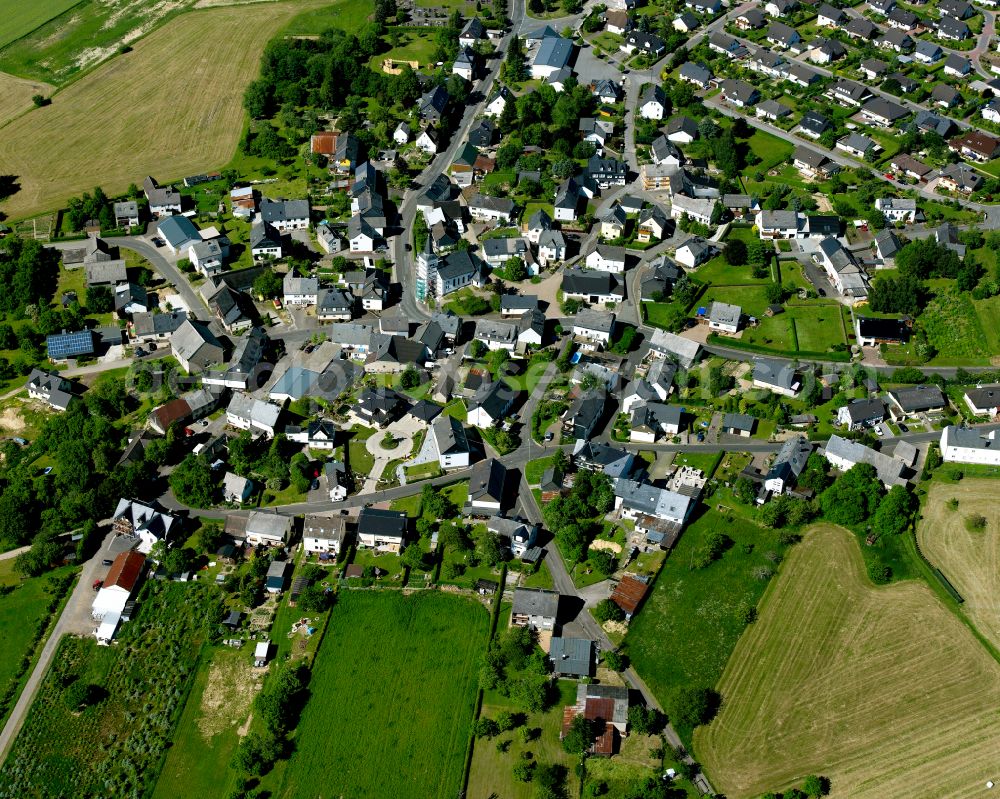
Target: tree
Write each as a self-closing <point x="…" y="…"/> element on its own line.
<point x="315" y="598"/>
<point x="735" y="252"/>
<point x="744" y="490"/>
<point x="485" y="728"/>
<point x="815" y="786"/>
<point x="854" y="497"/>
<point x="410" y="378"/>
<point x="478" y="348"/>
<point x="603" y="561"/>
<point x="488" y="549"/>
<point x="606" y="610"/>
<point x="99" y="299"/>
<point x="694" y="706"/>
<point x="645" y="720"/>
<point x="268" y="285"/>
<point x="79" y="695"/>
<point x="894" y="511"/>
<point x="515" y="269"/>
<point x="580" y="736"/>
<point x="614" y="660"/>
<point x="192" y="482"/>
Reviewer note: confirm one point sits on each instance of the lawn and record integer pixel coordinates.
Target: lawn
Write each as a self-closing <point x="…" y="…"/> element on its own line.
<point x="719" y="273"/>
<point x="966" y="557"/>
<point x="359" y="459"/>
<point x="347" y="15"/>
<point x="120" y="739"/>
<point x="396" y="722"/>
<point x="416" y="44"/>
<point x="534" y="470"/>
<point x="954" y="328"/>
<point x="492" y="770"/>
<point x="988" y="311"/>
<point x="199" y="63"/>
<point x="880" y="689"/>
<point x="705" y="461"/>
<point x="206" y="737"/>
<point x="704" y="605"/>
<point x="751" y="299"/>
<point x="770" y="149"/>
<point x="20" y="18"/>
<point x="456" y="408"/>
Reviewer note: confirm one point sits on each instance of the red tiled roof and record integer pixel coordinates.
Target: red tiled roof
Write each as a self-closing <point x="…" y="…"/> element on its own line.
<point x="125" y="571"/>
<point x="602" y="709"/>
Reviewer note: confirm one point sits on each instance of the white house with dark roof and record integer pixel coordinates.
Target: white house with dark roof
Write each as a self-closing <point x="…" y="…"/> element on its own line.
<point x="594" y="326"/>
<point x="724" y="317"/>
<point x="451" y="442"/>
<point x="967" y="445"/>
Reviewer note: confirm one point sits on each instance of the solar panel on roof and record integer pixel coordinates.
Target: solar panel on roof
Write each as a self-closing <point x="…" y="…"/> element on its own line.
<point x="66" y="345"/>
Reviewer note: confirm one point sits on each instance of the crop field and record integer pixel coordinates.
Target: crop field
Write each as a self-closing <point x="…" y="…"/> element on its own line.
<point x="16" y="94"/>
<point x="59" y="38"/>
<point x="882" y="690"/>
<point x="210" y="727"/>
<point x="705" y="605"/>
<point x="20" y="18"/>
<point x="969" y="559"/>
<point x="392" y="698"/>
<point x="137" y="688"/>
<point x="171" y="107"/>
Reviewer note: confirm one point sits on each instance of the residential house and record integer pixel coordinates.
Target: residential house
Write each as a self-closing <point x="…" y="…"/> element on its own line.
<point x="983" y="400"/>
<point x="788" y="465"/>
<point x="265" y="241"/>
<point x="686" y="22"/>
<point x="324" y="533"/>
<point x="613" y="222"/>
<point x="195" y="346"/>
<point x="966" y="445"/>
<point x="725" y="44"/>
<point x="945" y="96"/>
<point x="777" y="376"/>
<point x="772" y="110"/>
<point x="916" y="400"/>
<point x="163" y="200"/>
<point x="607" y="258"/>
<point x="843" y="454"/>
<point x="50" y="388"/>
<point x="497" y="101"/>
<point x="126" y="214"/>
<point x="724" y="317"/>
<point x="738" y="424"/>
<point x="882" y="112"/>
<point x="813" y="124"/>
<point x="897" y="209"/>
<point x="751" y="19"/>
<point x="571" y="657"/>
<point x="432" y="104"/>
<point x="959" y="177"/>
<point x="976" y="145"/>
<point x="490" y="404"/>
<point x="491" y="209"/>
<point x="956" y="66"/>
<point x="909" y="166"/>
<point x="694" y="252"/>
<point x="551" y="247"/>
<point x="739" y="93"/>
<point x="830" y="17"/>
<point x="584" y="412"/>
<point x="594" y="287"/>
<point x="285" y="215"/>
<point x="780" y="224"/>
<point x="236" y="489"/>
<point x="857" y="144"/>
<point x="926" y="52"/>
<point x="652" y="224"/>
<point x="652" y="102"/>
<point x="382" y="530"/>
<point x="451" y="442"/>
<point x="537" y="608"/>
<point x="780" y="8"/>
<point x="644" y="42"/>
<point x="143" y="524"/>
<point x="594" y="326"/>
<point x="842" y="269"/>
<point x="487" y="488"/>
<point x="953" y="29"/>
<point x="700" y="210"/>
<point x="873" y="68"/>
<point x="697" y="74"/>
<point x="861" y="413"/>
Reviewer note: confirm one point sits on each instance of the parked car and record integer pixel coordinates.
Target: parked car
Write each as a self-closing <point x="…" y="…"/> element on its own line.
<point x="548" y="437"/>
<point x="107" y="562"/>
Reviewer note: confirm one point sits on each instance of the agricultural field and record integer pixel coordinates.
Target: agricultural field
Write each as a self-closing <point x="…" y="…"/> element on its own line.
<point x="16" y="94"/>
<point x="967" y="557"/>
<point x="103" y="715"/>
<point x="881" y="690"/>
<point x="61" y="39"/>
<point x="171" y="107"/>
<point x="20" y="18"/>
<point x="215" y="716"/>
<point x="707" y="605"/>
<point x="347" y="15"/>
<point x="392" y="696"/>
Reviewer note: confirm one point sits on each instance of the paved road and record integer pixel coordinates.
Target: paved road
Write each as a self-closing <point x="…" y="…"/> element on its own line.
<point x="404" y="265"/>
<point x="75" y="620"/>
<point x="169" y="272"/>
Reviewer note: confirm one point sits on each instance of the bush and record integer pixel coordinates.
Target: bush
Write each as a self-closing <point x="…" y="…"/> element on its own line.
<point x="975" y="523"/>
<point x="606" y="610"/>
